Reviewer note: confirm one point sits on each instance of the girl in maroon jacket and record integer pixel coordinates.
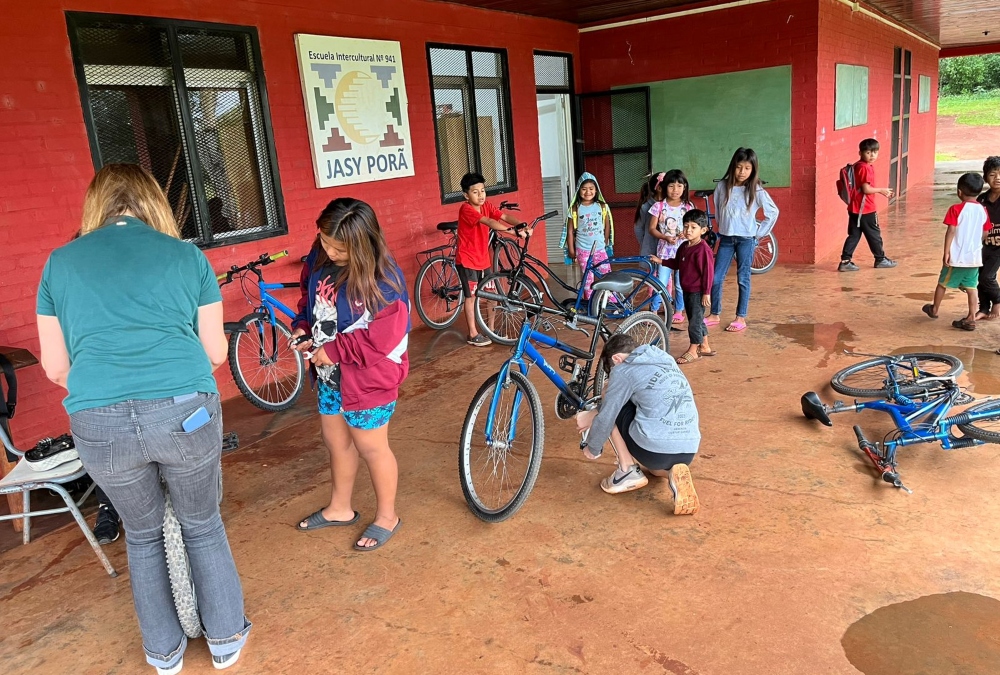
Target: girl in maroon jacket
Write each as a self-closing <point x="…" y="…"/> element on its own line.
<point x="696" y="264"/>
<point x="354" y="319"/>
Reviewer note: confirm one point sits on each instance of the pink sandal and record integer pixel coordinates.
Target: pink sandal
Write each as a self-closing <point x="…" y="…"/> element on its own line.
<point x="736" y="326"/>
<point x="713" y="322"/>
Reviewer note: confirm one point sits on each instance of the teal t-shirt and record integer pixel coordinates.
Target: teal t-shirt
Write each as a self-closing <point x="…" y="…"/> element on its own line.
<point x="127" y="300"/>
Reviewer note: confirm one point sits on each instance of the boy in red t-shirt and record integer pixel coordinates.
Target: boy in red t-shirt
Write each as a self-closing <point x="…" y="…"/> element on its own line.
<point x="476" y="217"/>
<point x="861" y="214"/>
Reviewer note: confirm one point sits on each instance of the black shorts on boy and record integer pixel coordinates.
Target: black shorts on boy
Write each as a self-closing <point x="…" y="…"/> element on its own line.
<point x="470" y="279"/>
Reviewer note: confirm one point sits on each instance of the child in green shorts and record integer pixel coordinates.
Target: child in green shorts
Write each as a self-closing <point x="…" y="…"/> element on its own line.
<point x="968" y="224"/>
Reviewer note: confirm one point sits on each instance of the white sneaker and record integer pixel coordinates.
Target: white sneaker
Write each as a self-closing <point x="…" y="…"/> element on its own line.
<point x="685" y="498"/>
<point x="619" y="481"/>
<point x="223" y="662"/>
<point x="173" y="670"/>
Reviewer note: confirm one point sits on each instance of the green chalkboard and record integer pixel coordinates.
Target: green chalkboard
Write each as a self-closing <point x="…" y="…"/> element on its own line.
<point x="698" y="122"/>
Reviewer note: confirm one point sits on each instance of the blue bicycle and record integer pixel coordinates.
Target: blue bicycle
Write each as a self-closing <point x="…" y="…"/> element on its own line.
<point x="500" y="450"/>
<point x="267" y="371"/>
<point x="918" y="392"/>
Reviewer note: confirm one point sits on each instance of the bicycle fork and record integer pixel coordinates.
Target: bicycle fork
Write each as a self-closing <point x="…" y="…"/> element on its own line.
<point x="883" y="461"/>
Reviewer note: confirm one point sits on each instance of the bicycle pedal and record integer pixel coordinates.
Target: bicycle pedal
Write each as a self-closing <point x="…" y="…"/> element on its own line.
<point x="230" y="441"/>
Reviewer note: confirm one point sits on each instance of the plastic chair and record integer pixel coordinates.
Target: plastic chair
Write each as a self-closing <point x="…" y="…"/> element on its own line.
<point x="22" y="478"/>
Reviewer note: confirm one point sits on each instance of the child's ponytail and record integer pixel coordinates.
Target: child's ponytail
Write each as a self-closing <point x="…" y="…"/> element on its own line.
<point x="647" y="190"/>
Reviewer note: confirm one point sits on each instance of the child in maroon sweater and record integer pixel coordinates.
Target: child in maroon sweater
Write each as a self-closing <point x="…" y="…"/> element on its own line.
<point x="696" y="264"/>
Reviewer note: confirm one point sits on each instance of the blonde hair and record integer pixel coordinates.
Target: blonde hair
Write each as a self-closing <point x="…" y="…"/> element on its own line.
<point x="127" y="188"/>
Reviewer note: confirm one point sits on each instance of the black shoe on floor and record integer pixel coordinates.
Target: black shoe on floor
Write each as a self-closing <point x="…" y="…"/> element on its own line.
<point x="847" y="266"/>
<point x="106" y="529"/>
<point x="885" y="264"/>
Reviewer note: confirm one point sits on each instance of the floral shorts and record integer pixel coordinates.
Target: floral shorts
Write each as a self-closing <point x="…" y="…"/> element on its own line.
<point x="372" y="418"/>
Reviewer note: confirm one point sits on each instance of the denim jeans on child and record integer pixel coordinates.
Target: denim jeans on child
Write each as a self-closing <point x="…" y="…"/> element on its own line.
<point x="742" y="249"/>
<point x="126" y="448"/>
<point x="667" y="277"/>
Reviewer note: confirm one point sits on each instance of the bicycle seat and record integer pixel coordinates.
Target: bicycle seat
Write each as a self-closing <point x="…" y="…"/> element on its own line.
<point x="450" y="226"/>
<point x="703" y="194"/>
<point x="616" y="282"/>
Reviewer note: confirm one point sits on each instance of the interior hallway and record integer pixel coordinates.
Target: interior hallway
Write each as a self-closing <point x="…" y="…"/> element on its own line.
<point x="795" y="549"/>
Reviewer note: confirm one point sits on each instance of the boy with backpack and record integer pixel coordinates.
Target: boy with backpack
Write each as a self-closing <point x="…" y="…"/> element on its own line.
<point x="855" y="187"/>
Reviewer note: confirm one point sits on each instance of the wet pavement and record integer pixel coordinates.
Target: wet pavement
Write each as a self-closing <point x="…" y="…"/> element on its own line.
<point x="800" y="562"/>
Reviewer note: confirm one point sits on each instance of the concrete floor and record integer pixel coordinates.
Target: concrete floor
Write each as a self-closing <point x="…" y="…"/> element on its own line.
<point x="799" y="562"/>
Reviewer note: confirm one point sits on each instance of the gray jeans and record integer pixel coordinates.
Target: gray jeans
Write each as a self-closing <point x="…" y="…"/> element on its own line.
<point x="126" y="448"/>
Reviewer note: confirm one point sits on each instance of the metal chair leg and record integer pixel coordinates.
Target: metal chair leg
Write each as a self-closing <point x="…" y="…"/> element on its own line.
<point x="26" y="509"/>
<point x="71" y="504"/>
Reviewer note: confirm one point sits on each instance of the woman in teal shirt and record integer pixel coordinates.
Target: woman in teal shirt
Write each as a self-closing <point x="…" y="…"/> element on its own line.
<point x="130" y="324"/>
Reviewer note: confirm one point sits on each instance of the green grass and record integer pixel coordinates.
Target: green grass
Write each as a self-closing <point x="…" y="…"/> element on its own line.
<point x="944" y="157"/>
<point x="975" y="110"/>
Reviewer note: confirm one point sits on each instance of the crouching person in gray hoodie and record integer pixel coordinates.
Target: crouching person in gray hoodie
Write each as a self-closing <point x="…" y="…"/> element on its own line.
<point x="648" y="413"/>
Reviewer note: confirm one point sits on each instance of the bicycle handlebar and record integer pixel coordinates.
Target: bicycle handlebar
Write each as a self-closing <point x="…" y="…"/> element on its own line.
<point x="264" y="259"/>
<point x="508" y="206"/>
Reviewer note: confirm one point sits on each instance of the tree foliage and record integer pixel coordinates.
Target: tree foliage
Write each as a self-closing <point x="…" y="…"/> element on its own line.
<point x="969" y="75"/>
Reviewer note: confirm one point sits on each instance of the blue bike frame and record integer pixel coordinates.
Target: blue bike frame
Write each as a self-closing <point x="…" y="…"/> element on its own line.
<point x="270" y="302"/>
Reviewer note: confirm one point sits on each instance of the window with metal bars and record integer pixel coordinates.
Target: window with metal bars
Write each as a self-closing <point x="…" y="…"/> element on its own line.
<point x="187" y="101"/>
<point x="472" y="118"/>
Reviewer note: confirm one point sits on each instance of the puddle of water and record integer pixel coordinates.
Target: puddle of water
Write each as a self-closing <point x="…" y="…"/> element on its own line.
<point x="830" y="338"/>
<point x="924" y="274"/>
<point x="945" y="633"/>
<point x="846" y="289"/>
<point x="982" y="366"/>
<point x="927" y="297"/>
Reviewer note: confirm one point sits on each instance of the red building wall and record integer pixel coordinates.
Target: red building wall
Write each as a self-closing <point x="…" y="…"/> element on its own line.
<point x="741" y="38"/>
<point x="857" y="39"/>
<point x="45" y="162"/>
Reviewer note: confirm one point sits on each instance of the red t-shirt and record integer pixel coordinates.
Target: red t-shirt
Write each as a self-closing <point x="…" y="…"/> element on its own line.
<point x="860" y="202"/>
<point x="474" y="237"/>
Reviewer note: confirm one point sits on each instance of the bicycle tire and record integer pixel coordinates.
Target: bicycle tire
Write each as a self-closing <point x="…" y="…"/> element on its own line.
<point x="179" y="571"/>
<point x="276" y="391"/>
<point x="942" y="365"/>
<point x="505" y="254"/>
<point x="621" y="306"/>
<point x="425" y="299"/>
<point x="510" y="314"/>
<point x="656" y="333"/>
<point x="765" y="254"/>
<point x="474" y="497"/>
<point x="987" y="435"/>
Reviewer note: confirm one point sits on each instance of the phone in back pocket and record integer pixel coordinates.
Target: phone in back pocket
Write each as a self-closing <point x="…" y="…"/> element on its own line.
<point x="196" y="420"/>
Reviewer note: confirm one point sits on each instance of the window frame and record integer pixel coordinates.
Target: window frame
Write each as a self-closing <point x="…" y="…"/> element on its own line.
<point x="854" y="70"/>
<point x="472" y="131"/>
<point x="179" y="81"/>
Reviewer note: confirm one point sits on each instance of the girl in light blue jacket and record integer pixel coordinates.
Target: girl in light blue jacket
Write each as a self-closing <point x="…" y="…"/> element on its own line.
<point x="738" y="198"/>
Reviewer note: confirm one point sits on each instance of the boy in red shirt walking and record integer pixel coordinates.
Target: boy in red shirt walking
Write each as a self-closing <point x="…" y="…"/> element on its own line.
<point x="476" y="217"/>
<point x="862" y="217"/>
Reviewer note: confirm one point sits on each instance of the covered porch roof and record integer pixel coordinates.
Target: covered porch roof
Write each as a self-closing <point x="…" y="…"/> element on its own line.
<point x="951" y="24"/>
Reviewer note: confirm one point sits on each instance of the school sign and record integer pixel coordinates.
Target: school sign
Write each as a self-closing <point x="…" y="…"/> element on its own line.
<point x="355" y="100"/>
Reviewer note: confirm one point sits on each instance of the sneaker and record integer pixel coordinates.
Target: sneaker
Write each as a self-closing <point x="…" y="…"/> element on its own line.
<point x="885" y="264"/>
<point x="479" y="341"/>
<point x="847" y="266"/>
<point x="223" y="662"/>
<point x="678" y="317"/>
<point x="619" y="481"/>
<point x="685" y="497"/>
<point x="106" y="529"/>
<point x="172" y="670"/>
<point x="51" y="452"/>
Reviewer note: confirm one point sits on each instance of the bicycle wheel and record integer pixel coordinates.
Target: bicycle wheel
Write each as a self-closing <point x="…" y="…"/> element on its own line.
<point x="497" y="478"/>
<point x="868" y="378"/>
<point x="645" y="328"/>
<point x="179" y="571"/>
<point x="500" y="306"/>
<point x="987" y="429"/>
<point x="437" y="293"/>
<point x="765" y="256"/>
<point x="639" y="299"/>
<point x="505" y="254"/>
<point x="267" y="371"/>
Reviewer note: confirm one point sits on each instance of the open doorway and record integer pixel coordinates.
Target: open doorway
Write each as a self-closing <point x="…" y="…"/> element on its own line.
<point x="553" y="83"/>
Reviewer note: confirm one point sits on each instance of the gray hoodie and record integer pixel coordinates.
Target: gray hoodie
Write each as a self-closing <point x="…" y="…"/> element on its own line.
<point x="666" y="419"/>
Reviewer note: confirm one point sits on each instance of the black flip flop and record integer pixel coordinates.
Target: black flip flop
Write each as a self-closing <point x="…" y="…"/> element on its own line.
<point x="964" y="324"/>
<point x="316" y="521"/>
<point x="927" y="309"/>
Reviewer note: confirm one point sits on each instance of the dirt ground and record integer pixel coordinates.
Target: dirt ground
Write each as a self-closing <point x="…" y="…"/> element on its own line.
<point x="964" y="142"/>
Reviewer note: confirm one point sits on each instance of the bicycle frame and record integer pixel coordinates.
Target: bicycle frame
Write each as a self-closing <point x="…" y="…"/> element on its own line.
<point x="270" y="302"/>
<point x="525" y="355"/>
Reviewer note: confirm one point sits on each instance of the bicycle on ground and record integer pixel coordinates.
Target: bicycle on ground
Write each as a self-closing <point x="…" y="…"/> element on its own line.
<point x="765" y="255"/>
<point x="508" y="298"/>
<point x="437" y="290"/>
<point x="500" y="449"/>
<point x="918" y="392"/>
<point x="267" y="371"/>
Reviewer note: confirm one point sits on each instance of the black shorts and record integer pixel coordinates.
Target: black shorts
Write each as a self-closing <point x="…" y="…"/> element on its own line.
<point x="470" y="279"/>
<point x="648" y="460"/>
